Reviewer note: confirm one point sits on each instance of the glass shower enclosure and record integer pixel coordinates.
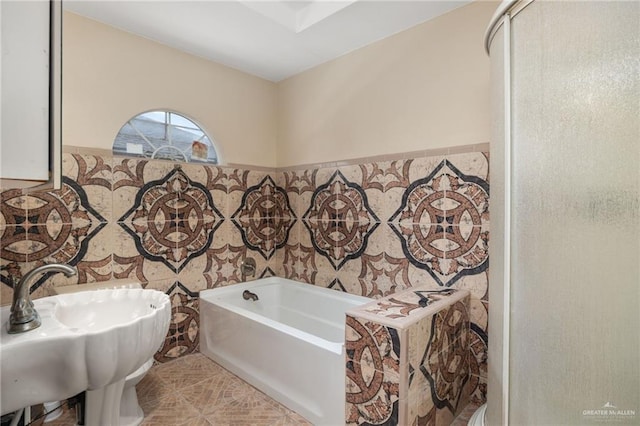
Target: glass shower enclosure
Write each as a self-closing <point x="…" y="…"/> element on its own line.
<point x="564" y="323"/>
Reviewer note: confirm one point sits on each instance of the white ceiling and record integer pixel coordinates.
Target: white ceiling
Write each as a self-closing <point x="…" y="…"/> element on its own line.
<point x="271" y="39"/>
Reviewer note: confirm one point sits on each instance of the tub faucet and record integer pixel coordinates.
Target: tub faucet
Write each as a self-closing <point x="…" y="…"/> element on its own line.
<point x="248" y="268"/>
<point x="246" y="295"/>
<point x="24" y="316"/>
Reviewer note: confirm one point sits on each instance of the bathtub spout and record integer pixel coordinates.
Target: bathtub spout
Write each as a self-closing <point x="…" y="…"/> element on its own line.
<point x="246" y="295"/>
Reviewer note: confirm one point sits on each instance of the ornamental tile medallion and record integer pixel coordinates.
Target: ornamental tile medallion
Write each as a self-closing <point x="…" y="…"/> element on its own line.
<point x="55" y="226"/>
<point x="340" y="220"/>
<point x="377" y="273"/>
<point x="173" y="220"/>
<point x="183" y="335"/>
<point x="373" y="373"/>
<point x="264" y="217"/>
<point x="445" y="363"/>
<point x="441" y="224"/>
<point x="215" y="266"/>
<point x="478" y="347"/>
<point x="298" y="262"/>
<point x="477" y="364"/>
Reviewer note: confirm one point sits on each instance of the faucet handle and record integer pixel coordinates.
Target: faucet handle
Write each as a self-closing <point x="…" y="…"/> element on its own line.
<point x="248" y="267"/>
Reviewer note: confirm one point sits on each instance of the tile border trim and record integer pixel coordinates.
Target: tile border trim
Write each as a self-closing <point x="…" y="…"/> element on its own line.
<point x="459" y="149"/>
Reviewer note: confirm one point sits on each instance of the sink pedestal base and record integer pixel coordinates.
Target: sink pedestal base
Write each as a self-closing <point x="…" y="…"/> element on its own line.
<point x="102" y="406"/>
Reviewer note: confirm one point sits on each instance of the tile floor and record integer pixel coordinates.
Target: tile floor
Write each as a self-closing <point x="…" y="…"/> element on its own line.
<point x="195" y="391"/>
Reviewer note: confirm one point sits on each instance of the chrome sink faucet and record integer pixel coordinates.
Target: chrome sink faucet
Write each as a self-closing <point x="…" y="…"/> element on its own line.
<point x="24" y="316"/>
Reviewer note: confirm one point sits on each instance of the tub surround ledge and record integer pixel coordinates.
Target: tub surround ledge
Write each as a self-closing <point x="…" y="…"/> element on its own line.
<point x="407" y="358"/>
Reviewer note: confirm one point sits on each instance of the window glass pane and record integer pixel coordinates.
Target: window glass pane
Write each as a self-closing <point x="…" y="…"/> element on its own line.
<point x="164" y="135"/>
<point x="154" y="115"/>
<point x="178" y="120"/>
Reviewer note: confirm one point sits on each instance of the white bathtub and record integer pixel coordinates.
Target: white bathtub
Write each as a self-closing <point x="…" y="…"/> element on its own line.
<point x="289" y="343"/>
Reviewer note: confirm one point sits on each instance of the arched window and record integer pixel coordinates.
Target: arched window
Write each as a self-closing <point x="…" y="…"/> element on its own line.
<point x="165" y="135"/>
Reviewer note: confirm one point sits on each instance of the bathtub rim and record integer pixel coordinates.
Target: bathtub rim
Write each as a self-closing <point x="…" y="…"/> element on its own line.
<point x="215" y="296"/>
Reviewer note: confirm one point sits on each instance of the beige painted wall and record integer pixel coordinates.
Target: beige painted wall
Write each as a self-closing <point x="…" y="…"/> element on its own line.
<point x="424" y="88"/>
<point x="110" y="76"/>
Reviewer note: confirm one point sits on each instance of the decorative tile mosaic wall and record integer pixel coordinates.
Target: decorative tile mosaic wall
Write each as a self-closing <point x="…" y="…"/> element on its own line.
<point x="178" y="229"/>
<point x="378" y="228"/>
<point x="408" y="359"/>
<point x="373" y="229"/>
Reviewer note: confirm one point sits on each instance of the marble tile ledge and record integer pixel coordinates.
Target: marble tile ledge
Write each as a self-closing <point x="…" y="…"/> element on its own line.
<point x="402" y="309"/>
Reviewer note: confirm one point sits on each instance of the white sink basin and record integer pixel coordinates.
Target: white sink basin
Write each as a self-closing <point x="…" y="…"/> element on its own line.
<point x="87" y="340"/>
<point x="99" y="310"/>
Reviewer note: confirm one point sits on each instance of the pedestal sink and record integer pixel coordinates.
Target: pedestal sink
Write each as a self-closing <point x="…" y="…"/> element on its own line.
<point x="87" y="341"/>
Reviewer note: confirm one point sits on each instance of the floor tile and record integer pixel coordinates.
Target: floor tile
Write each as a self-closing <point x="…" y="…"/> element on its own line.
<point x="187" y="371"/>
<point x="195" y="391"/>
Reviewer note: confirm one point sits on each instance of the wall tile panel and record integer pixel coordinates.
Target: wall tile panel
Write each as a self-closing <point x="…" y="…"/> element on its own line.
<point x="374" y="228"/>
